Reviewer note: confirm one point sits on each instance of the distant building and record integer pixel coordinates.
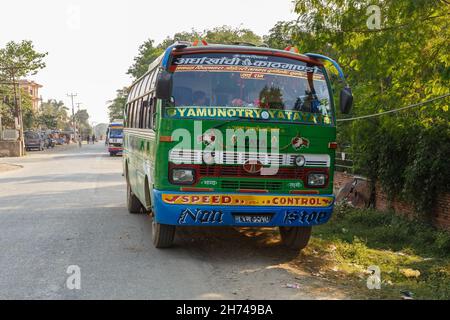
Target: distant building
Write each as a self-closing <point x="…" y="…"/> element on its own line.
<point x="33" y="89"/>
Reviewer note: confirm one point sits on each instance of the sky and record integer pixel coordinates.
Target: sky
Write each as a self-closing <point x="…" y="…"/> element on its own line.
<point x="91" y="43"/>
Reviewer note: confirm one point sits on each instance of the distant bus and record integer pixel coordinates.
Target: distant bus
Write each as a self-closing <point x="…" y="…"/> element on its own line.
<point x="242" y="136"/>
<point x="114" y="138"/>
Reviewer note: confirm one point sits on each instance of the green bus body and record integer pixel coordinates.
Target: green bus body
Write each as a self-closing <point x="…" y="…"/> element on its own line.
<point x="230" y="191"/>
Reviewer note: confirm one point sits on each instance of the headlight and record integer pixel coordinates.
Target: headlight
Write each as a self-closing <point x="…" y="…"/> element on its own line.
<point x="317" y="179"/>
<point x="183" y="176"/>
<point x="300" y="161"/>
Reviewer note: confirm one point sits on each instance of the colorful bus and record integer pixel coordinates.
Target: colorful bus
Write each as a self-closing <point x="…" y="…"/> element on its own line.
<point x="114" y="138"/>
<point x="230" y="135"/>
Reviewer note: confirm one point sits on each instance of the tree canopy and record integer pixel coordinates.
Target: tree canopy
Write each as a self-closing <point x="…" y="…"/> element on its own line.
<point x="404" y="61"/>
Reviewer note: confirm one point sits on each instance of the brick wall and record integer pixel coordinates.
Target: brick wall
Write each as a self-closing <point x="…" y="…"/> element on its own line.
<point x="441" y="212"/>
<point x="340" y="179"/>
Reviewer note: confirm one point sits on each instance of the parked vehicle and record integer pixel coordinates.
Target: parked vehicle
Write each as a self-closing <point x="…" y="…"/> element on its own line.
<point x="34" y="140"/>
<point x="60" y="141"/>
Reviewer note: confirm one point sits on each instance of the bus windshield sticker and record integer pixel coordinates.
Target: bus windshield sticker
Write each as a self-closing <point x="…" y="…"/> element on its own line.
<point x="257" y="114"/>
<point x="247" y="62"/>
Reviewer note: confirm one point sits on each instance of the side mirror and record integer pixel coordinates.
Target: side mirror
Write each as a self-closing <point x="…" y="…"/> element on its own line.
<point x="164" y="85"/>
<point x="346" y="100"/>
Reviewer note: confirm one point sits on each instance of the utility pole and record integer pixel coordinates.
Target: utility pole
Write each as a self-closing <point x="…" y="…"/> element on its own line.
<point x="73" y="95"/>
<point x="79" y="123"/>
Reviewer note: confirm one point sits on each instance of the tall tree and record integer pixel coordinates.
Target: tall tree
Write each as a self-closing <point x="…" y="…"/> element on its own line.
<point x="54" y="115"/>
<point x="19" y="60"/>
<point x="116" y="106"/>
<point x="403" y="60"/>
<point x="148" y="52"/>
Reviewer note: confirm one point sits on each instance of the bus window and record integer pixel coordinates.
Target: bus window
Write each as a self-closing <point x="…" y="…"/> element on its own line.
<point x="149" y="82"/>
<point x="141" y="113"/>
<point x="137" y="113"/>
<point x="132" y="114"/>
<point x="147" y="113"/>
<point x="125" y="113"/>
<point x="153" y="83"/>
<point x="152" y="109"/>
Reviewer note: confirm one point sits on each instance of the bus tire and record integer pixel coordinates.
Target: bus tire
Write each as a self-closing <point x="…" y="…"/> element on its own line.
<point x="162" y="235"/>
<point x="133" y="203"/>
<point x="295" y="237"/>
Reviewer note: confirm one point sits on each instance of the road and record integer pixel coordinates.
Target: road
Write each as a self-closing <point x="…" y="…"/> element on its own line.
<point x="67" y="207"/>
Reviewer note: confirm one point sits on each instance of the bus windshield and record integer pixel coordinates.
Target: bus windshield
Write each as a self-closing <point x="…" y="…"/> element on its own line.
<point x="116" y="133"/>
<point x="251" y="82"/>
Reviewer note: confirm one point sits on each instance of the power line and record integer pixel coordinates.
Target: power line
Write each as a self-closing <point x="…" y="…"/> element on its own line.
<point x="395" y="110"/>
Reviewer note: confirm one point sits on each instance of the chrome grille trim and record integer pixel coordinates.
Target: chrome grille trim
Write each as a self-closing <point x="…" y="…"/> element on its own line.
<point x="180" y="156"/>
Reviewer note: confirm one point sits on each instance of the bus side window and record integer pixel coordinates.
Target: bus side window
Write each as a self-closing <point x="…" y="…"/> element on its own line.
<point x="133" y="115"/>
<point x="146" y="124"/>
<point x="143" y="113"/>
<point x="130" y="115"/>
<point x="125" y="115"/>
<point x="152" y="119"/>
<point x="137" y="113"/>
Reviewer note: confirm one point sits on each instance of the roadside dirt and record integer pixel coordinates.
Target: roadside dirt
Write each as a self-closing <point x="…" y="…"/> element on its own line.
<point x="252" y="264"/>
<point x="4" y="167"/>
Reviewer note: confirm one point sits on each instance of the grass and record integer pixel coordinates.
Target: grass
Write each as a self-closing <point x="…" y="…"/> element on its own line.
<point x="412" y="255"/>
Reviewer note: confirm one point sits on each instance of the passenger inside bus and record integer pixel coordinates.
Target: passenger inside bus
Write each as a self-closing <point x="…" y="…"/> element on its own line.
<point x="232" y="89"/>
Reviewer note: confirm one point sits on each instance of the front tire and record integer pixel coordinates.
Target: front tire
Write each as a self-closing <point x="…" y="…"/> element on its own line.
<point x="295" y="237"/>
<point x="133" y="204"/>
<point x="162" y="234"/>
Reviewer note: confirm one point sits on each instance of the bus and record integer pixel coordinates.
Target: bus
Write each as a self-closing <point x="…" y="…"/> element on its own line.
<point x="114" y="138"/>
<point x="232" y="135"/>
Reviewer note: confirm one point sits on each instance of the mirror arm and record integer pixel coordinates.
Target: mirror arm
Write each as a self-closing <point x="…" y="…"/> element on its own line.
<point x="335" y="64"/>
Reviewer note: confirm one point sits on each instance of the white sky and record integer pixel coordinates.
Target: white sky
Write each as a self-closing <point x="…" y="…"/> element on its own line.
<point x="91" y="43"/>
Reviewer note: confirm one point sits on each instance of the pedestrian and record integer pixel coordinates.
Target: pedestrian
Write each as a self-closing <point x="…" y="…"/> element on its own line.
<point x="79" y="140"/>
<point x="93" y="139"/>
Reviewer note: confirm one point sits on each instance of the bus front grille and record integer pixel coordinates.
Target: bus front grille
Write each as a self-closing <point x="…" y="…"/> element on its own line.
<point x="251" y="185"/>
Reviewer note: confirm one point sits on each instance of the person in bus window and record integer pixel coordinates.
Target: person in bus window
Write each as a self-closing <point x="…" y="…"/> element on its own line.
<point x="200" y="99"/>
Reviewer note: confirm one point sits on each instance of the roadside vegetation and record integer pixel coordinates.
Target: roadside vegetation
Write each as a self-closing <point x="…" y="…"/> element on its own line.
<point x="414" y="257"/>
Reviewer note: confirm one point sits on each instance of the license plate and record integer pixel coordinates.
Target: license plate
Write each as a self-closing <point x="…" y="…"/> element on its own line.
<point x="252" y="219"/>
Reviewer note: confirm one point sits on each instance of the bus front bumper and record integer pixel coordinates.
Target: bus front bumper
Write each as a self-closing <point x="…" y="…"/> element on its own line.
<point x="115" y="149"/>
<point x="241" y="209"/>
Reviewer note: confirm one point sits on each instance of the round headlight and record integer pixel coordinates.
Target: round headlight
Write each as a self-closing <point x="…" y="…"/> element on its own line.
<point x="300" y="161"/>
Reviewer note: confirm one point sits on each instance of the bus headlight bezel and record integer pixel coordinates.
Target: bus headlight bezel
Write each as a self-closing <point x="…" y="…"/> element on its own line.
<point x="317" y="179"/>
<point x="300" y="161"/>
<point x="182" y="176"/>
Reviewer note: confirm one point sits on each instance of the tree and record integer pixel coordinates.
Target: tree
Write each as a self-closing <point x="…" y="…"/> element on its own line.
<point x="116" y="106"/>
<point x="8" y="107"/>
<point x="148" y="52"/>
<point x="82" y="118"/>
<point x="19" y="60"/>
<point x="54" y="115"/>
<point x="404" y="61"/>
<point x="146" y="55"/>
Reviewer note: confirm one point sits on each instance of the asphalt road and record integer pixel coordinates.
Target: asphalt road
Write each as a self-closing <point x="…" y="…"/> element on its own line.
<point x="66" y="207"/>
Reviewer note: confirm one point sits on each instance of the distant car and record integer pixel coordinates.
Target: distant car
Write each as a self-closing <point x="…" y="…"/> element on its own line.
<point x="60" y="141"/>
<point x="34" y="140"/>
